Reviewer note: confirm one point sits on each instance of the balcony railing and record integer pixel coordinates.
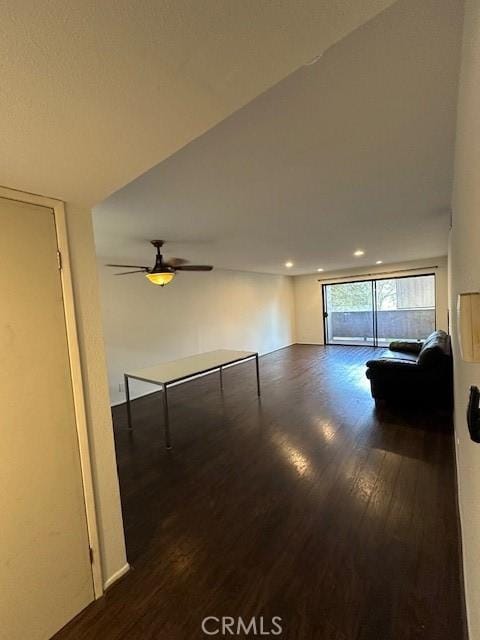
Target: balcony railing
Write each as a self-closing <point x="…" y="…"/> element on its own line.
<point x="403" y="324"/>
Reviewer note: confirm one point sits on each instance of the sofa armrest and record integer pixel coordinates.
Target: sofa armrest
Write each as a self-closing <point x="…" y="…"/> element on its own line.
<point x="407" y="346"/>
<point x="392" y="364"/>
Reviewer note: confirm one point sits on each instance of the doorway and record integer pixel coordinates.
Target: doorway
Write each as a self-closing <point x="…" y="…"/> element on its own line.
<point x="375" y="312"/>
<point x="44" y="534"/>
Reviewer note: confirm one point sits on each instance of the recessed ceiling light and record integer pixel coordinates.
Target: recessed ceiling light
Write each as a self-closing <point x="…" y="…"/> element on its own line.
<point x="359" y="252"/>
<point x="379" y="262"/>
<point x="319" y="269"/>
<point x="289" y="264"/>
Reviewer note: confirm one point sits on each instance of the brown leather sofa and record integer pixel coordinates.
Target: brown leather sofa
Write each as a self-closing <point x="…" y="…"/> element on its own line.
<point x="414" y="372"/>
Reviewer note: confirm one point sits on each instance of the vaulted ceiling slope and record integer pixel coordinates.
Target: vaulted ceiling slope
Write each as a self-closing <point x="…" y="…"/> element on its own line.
<point x="355" y="151"/>
<point x="95" y="92"/>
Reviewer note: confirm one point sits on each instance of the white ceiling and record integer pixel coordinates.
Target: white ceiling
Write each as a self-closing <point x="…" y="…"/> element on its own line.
<point x="355" y="151"/>
<point x="95" y="92"/>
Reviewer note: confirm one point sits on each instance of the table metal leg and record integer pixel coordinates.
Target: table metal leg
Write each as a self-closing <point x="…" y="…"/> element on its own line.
<point x="127" y="395"/>
<point x="168" y="444"/>
<point x="221" y="378"/>
<point x="258" y="375"/>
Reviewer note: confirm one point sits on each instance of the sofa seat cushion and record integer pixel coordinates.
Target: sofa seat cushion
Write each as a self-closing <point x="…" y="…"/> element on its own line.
<point x="388" y="354"/>
<point x="387" y="367"/>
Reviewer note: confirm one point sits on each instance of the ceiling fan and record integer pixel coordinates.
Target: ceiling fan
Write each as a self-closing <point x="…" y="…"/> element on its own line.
<point x="163" y="271"/>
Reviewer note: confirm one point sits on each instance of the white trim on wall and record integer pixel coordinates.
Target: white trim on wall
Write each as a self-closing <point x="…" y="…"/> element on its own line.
<point x="75" y="372"/>
<point x="117" y="575"/>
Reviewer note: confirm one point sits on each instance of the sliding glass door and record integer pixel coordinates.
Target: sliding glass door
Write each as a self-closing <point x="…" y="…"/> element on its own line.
<point x="349" y="317"/>
<point x="375" y="312"/>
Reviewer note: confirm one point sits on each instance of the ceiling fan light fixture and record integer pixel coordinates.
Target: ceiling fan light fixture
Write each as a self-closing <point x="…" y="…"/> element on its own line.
<point x="161" y="278"/>
<point x="163" y="271"/>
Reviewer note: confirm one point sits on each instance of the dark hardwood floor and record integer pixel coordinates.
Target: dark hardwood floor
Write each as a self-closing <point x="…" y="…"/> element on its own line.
<point x="310" y="505"/>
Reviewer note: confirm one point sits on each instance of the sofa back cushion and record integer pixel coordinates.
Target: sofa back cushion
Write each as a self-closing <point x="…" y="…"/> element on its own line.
<point x="435" y="350"/>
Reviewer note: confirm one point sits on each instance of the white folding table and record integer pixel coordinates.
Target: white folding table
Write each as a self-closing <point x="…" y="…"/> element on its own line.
<point x="169" y="373"/>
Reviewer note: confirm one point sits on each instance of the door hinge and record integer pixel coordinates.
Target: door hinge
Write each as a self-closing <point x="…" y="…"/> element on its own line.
<point x="59" y="260"/>
<point x="91" y="554"/>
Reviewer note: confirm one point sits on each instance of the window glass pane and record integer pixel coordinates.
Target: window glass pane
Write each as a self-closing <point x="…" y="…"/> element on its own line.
<point x="350" y="313"/>
<point x="405" y="308"/>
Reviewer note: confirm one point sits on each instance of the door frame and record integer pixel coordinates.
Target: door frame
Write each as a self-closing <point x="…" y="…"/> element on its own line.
<point x="373" y="280"/>
<point x="58" y="210"/>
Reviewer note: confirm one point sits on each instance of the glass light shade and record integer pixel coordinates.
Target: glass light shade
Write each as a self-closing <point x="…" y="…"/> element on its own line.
<point x="160" y="278"/>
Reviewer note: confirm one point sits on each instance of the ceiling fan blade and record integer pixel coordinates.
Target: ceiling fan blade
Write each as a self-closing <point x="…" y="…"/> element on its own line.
<point x="175" y="262"/>
<point x="125" y="273"/>
<point x="127" y="266"/>
<point x="194" y="267"/>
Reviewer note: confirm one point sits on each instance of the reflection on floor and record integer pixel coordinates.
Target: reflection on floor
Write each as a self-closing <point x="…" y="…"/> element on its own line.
<point x="309" y="505"/>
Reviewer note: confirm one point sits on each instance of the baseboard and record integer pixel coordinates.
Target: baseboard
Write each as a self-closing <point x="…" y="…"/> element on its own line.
<point x="135" y="397"/>
<point x="201" y="375"/>
<point x="285" y="346"/>
<point x="116" y="576"/>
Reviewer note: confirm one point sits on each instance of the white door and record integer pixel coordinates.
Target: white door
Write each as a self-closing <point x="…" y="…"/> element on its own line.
<point x="45" y="570"/>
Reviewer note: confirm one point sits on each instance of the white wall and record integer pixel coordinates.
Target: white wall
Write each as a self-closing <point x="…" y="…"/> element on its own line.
<point x="309" y="302"/>
<point x="145" y="324"/>
<point x="92" y="353"/>
<point x="465" y="276"/>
